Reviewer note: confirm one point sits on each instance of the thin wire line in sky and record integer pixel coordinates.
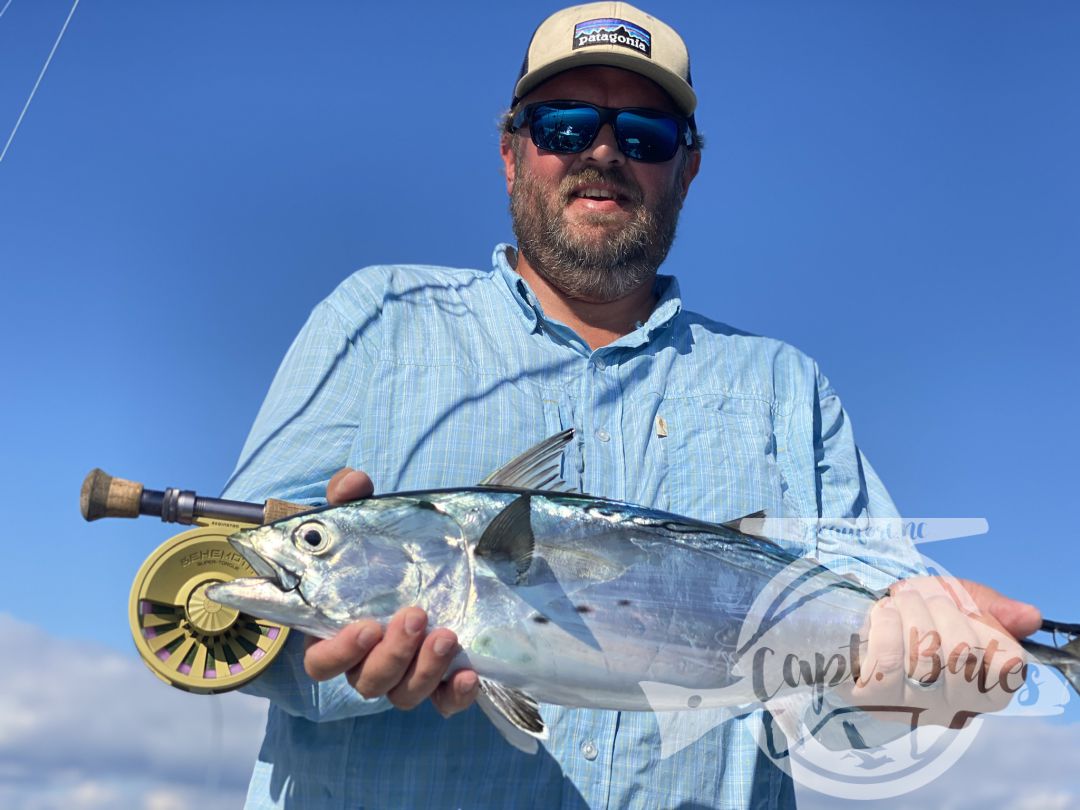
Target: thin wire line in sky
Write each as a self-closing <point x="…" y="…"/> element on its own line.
<point x="2" y="10"/>
<point x="41" y="75"/>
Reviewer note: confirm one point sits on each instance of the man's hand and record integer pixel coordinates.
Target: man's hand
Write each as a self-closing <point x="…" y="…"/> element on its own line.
<point x="945" y="646"/>
<point x="399" y="662"/>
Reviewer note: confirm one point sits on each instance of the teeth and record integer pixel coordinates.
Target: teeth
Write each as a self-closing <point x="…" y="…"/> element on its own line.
<point x="596" y="194"/>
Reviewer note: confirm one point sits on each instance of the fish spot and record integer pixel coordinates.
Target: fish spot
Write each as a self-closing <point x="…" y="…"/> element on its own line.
<point x="583" y="609"/>
<point x="694" y="701"/>
<point x="540" y="619"/>
<point x="624" y="603"/>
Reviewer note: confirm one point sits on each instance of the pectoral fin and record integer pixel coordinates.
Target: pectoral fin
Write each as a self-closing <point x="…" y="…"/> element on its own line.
<point x="509" y="536"/>
<point x="515" y="715"/>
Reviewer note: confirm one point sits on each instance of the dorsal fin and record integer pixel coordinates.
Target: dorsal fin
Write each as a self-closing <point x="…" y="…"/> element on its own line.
<point x="509" y="536"/>
<point x="752" y="524"/>
<point x="539" y="467"/>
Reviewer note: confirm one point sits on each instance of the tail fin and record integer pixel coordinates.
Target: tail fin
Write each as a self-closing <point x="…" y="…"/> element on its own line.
<point x="1065" y="659"/>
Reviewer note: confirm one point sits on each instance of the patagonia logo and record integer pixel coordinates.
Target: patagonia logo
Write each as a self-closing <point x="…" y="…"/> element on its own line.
<point x="610" y="31"/>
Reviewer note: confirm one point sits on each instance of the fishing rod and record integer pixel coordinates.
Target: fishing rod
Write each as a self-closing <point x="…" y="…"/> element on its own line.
<point x="186" y="639"/>
<point x="105" y="496"/>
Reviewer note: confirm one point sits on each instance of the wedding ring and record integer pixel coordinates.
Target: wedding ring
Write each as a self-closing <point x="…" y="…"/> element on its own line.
<point x="915" y="683"/>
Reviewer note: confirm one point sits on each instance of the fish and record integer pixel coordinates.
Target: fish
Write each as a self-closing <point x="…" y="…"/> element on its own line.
<point x="565" y="598"/>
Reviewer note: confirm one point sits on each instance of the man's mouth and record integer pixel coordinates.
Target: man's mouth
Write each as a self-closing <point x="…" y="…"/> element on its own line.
<point x="600" y="198"/>
<point x="598" y="192"/>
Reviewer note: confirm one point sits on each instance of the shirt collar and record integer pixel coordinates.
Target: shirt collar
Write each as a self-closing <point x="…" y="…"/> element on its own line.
<point x="665" y="288"/>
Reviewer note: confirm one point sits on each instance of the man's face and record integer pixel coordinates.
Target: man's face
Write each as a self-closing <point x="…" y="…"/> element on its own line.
<point x="595" y="249"/>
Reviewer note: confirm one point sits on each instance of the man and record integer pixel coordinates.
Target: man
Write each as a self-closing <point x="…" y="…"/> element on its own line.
<point x="428" y="377"/>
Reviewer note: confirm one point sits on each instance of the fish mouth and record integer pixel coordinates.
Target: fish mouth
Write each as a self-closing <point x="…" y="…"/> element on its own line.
<point x="265" y="567"/>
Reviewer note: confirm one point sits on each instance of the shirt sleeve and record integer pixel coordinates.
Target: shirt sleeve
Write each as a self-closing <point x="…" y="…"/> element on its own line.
<point x="301" y="437"/>
<point x="860" y="529"/>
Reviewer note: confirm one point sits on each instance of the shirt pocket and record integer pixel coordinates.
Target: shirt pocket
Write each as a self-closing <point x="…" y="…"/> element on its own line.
<point x="718" y="459"/>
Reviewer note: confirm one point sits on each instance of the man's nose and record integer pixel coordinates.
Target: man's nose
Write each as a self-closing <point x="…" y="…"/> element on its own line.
<point x="605" y="148"/>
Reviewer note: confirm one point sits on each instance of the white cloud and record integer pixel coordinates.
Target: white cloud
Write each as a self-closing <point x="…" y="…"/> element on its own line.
<point x="162" y="799"/>
<point x="92" y="795"/>
<point x="1015" y="763"/>
<point x="84" y="727"/>
<point x="1046" y="800"/>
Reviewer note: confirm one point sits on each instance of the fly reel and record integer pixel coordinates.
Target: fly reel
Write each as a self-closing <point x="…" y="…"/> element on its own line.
<point x="185" y="638"/>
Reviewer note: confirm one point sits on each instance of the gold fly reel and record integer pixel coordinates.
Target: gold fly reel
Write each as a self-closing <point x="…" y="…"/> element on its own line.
<point x="186" y="639"/>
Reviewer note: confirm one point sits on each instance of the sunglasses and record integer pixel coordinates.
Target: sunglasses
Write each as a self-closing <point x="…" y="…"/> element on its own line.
<point x="568" y="127"/>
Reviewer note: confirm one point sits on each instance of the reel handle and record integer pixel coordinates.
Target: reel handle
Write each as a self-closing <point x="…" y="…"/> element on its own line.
<point x="105" y="496"/>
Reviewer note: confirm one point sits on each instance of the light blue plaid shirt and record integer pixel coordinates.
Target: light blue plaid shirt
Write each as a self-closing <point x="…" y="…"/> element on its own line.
<point x="433" y="377"/>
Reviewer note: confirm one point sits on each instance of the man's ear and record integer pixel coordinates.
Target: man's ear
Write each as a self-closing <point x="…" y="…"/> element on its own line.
<point x="506" y="151"/>
<point x="690" y="169"/>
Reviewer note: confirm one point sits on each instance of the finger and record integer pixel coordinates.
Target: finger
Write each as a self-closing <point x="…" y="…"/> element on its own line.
<point x="328" y="658"/>
<point x="1002" y="660"/>
<point x="1018" y="619"/>
<point x="426" y="670"/>
<point x="347" y="485"/>
<point x="955" y="691"/>
<point x="881" y="676"/>
<point x="457" y="694"/>
<point x="929" y="587"/>
<point x="923" y="659"/>
<point x="390" y="659"/>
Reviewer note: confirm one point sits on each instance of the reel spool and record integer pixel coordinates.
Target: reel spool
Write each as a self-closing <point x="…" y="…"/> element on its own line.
<point x="185" y="638"/>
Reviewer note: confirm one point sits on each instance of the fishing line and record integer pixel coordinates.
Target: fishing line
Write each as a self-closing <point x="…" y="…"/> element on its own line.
<point x="2" y="10"/>
<point x="41" y="75"/>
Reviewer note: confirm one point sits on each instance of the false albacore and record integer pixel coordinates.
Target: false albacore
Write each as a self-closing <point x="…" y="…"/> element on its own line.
<point x="561" y="597"/>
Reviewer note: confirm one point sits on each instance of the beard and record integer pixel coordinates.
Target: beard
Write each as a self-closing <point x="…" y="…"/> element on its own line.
<point x="600" y="257"/>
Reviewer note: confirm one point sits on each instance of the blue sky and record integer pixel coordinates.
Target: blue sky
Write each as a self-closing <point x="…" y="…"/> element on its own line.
<point x="892" y="187"/>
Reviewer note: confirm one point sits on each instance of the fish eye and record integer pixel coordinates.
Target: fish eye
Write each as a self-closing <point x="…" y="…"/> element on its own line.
<point x="311" y="536"/>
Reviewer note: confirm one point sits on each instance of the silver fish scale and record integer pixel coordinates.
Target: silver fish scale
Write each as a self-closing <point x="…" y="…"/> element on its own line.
<point x="615" y="595"/>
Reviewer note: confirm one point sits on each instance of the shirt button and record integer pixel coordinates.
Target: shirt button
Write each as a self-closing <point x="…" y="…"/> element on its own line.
<point x="588" y="750"/>
<point x="603" y="435"/>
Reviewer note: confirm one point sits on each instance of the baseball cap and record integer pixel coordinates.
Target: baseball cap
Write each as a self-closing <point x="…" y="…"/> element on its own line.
<point x="615" y="34"/>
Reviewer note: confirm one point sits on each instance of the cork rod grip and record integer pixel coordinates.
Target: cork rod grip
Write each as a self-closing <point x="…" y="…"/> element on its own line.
<point x="105" y="496"/>
<point x="276" y="510"/>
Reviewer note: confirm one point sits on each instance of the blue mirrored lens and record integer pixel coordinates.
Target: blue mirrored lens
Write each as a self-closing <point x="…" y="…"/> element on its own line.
<point x="651" y="139"/>
<point x="564" y="130"/>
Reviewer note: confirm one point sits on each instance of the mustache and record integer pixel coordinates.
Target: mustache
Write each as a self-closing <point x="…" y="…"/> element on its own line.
<point x="623" y="184"/>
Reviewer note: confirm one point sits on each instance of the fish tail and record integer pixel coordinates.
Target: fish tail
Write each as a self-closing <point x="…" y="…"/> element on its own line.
<point x="1065" y="659"/>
